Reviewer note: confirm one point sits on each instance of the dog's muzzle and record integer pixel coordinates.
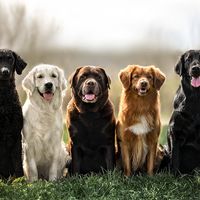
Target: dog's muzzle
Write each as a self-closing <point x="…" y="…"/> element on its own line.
<point x="5" y="72"/>
<point x="143" y="87"/>
<point x="195" y="73"/>
<point x="48" y="94"/>
<point x="90" y="91"/>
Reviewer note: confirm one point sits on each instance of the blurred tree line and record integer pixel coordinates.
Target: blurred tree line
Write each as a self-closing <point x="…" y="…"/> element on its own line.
<point x="21" y="31"/>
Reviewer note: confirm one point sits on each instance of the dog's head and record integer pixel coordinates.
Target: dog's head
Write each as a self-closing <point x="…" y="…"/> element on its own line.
<point x="89" y="84"/>
<point x="43" y="81"/>
<point x="141" y="80"/>
<point x="188" y="67"/>
<point x="9" y="63"/>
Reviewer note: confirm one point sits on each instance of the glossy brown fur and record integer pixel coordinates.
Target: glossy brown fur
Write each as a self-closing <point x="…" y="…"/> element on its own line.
<point x="132" y="107"/>
<point x="91" y="125"/>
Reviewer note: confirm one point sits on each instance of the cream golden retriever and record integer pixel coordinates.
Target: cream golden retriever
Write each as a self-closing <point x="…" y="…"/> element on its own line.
<point x="45" y="155"/>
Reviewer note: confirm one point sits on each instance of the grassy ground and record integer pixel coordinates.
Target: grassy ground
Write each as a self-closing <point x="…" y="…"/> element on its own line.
<point x="108" y="186"/>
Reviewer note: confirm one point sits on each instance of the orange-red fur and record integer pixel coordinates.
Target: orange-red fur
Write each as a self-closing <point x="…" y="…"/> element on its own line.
<point x="132" y="107"/>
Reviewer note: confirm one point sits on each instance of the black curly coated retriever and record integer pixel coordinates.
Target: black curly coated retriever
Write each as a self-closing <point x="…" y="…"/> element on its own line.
<point x="11" y="118"/>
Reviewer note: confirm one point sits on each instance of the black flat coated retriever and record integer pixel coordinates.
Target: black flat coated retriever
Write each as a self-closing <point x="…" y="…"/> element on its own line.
<point x="184" y="126"/>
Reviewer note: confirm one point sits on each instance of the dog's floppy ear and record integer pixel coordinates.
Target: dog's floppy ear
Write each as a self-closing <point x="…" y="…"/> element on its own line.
<point x="125" y="75"/>
<point x="28" y="82"/>
<point x="159" y="78"/>
<point x="19" y="64"/>
<point x="72" y="77"/>
<point x="180" y="68"/>
<point x="62" y="80"/>
<point x="108" y="80"/>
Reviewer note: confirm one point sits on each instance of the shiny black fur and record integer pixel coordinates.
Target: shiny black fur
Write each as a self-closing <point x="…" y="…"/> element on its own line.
<point x="11" y="118"/>
<point x="184" y="126"/>
<point x="91" y="125"/>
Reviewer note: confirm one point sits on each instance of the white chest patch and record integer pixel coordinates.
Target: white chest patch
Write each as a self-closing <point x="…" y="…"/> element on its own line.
<point x="140" y="128"/>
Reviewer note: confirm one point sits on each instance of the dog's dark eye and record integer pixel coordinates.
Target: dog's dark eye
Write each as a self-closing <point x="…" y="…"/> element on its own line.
<point x="135" y="76"/>
<point x="53" y="76"/>
<point x="40" y="76"/>
<point x="82" y="77"/>
<point x="9" y="58"/>
<point x="189" y="60"/>
<point x="99" y="78"/>
<point x="150" y="77"/>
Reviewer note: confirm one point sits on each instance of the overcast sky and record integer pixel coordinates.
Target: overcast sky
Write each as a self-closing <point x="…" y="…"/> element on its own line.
<point x="121" y="24"/>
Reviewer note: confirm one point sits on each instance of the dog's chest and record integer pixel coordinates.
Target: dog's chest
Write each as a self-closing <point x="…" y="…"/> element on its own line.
<point x="142" y="127"/>
<point x="8" y="114"/>
<point x="92" y="131"/>
<point x="92" y="122"/>
<point x="42" y="129"/>
<point x="44" y="145"/>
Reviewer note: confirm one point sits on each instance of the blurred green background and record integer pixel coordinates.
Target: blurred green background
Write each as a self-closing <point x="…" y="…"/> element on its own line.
<point x="111" y="34"/>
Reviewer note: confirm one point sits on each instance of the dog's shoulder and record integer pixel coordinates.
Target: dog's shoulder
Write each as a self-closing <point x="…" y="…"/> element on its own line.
<point x="72" y="111"/>
<point x="179" y="98"/>
<point x="108" y="109"/>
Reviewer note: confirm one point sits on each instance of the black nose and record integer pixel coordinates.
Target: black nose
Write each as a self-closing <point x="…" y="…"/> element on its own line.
<point x="196" y="70"/>
<point x="90" y="82"/>
<point x="5" y="72"/>
<point x="143" y="83"/>
<point x="48" y="85"/>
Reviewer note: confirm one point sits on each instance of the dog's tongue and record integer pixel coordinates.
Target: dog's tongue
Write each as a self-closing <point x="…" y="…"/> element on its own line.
<point x="48" y="96"/>
<point x="89" y="97"/>
<point x="195" y="82"/>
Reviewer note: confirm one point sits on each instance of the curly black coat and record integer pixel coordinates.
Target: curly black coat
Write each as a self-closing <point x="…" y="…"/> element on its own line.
<point x="11" y="118"/>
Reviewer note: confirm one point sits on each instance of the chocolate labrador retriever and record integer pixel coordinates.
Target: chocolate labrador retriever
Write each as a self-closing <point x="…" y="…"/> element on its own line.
<point x="91" y="121"/>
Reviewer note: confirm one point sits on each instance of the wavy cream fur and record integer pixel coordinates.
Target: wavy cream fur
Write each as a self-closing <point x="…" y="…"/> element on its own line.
<point x="45" y="155"/>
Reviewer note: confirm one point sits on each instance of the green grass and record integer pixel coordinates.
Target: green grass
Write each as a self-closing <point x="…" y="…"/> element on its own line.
<point x="111" y="185"/>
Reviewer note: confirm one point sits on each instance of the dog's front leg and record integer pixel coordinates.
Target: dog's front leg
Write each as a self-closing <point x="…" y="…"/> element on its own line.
<point x="53" y="171"/>
<point x="76" y="159"/>
<point x="126" y="160"/>
<point x="32" y="172"/>
<point x="17" y="157"/>
<point x="175" y="162"/>
<point x="151" y="159"/>
<point x="110" y="157"/>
